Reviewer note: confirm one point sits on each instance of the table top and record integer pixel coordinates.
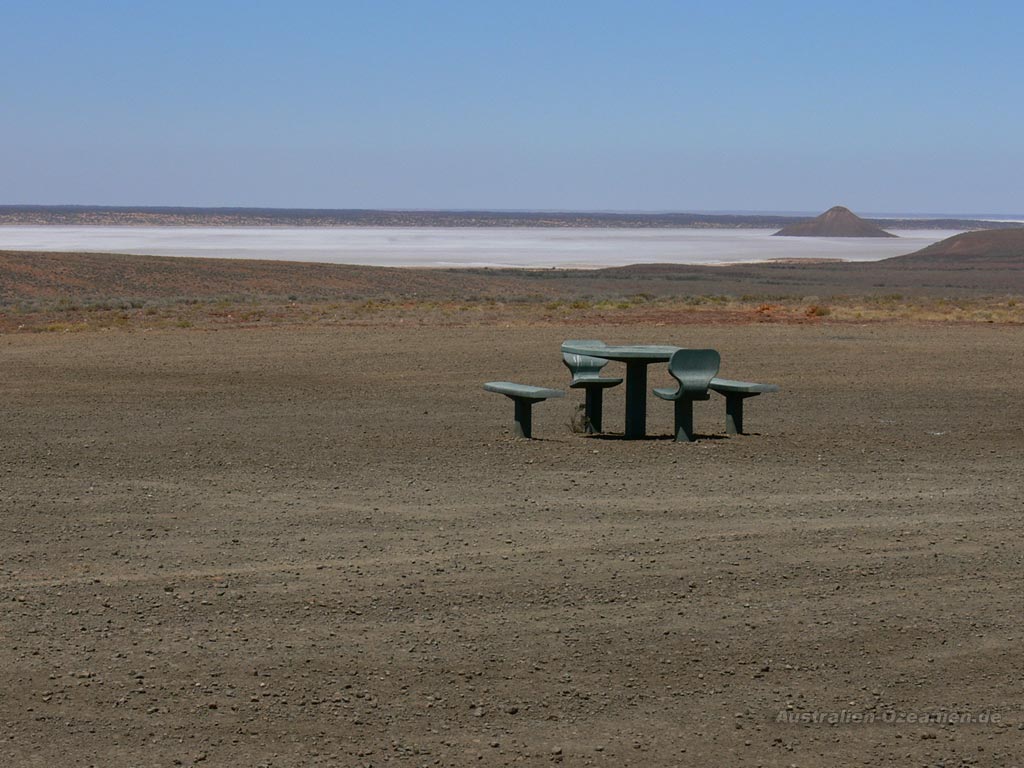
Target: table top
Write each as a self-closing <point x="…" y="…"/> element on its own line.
<point x="651" y="353"/>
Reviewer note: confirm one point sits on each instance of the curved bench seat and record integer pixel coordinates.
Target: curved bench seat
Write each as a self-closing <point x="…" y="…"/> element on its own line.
<point x="586" y="375"/>
<point x="693" y="369"/>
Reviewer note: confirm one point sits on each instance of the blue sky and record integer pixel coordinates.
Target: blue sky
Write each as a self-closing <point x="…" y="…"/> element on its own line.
<point x="884" y="107"/>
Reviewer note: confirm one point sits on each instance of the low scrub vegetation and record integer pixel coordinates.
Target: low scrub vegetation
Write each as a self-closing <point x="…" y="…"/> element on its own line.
<point x="70" y="314"/>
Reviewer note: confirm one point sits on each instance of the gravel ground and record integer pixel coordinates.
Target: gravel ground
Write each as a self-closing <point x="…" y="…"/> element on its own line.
<point x="309" y="546"/>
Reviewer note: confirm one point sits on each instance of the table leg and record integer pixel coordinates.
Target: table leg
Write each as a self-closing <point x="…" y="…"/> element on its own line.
<point x="636" y="400"/>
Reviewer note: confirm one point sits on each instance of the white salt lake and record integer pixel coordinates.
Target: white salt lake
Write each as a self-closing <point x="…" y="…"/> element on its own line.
<point x="469" y="247"/>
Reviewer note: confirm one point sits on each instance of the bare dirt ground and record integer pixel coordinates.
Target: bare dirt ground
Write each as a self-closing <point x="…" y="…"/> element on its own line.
<point x="320" y="546"/>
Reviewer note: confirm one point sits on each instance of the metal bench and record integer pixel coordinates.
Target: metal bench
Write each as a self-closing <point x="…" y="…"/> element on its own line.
<point x="693" y="369"/>
<point x="735" y="393"/>
<point x="586" y="375"/>
<point x="524" y="396"/>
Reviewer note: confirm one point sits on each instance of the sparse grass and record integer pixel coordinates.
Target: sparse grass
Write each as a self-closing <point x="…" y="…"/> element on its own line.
<point x="64" y="327"/>
<point x="73" y="314"/>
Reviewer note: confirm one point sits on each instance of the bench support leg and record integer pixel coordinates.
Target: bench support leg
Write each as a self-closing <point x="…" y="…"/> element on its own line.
<point x="594" y="401"/>
<point x="684" y="420"/>
<point x="523" y="426"/>
<point x="734" y="413"/>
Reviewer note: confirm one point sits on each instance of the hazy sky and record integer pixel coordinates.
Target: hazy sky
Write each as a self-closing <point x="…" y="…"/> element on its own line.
<point x="554" y="104"/>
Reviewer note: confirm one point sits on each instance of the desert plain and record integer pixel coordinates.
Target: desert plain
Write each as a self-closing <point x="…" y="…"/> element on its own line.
<point x="294" y="530"/>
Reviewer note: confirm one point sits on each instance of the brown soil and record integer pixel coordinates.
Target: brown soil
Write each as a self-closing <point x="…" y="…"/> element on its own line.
<point x="835" y="222"/>
<point x="320" y="546"/>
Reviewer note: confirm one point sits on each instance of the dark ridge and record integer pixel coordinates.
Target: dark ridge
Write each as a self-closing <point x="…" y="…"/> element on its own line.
<point x="972" y="250"/>
<point x="27" y="276"/>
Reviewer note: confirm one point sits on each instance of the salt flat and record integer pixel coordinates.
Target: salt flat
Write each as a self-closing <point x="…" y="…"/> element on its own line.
<point x="467" y="247"/>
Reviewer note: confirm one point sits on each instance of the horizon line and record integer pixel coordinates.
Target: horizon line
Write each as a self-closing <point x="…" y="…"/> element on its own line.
<point x="560" y="211"/>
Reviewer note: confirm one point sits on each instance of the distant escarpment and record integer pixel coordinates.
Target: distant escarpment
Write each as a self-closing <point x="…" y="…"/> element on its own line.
<point x="974" y="250"/>
<point x="835" y="222"/>
<point x="127" y="216"/>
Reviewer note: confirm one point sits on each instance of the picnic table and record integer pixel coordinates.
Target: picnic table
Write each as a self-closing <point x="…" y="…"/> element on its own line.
<point x="636" y="357"/>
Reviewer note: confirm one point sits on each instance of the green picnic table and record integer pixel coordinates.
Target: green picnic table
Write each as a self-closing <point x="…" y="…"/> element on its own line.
<point x="638" y="356"/>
